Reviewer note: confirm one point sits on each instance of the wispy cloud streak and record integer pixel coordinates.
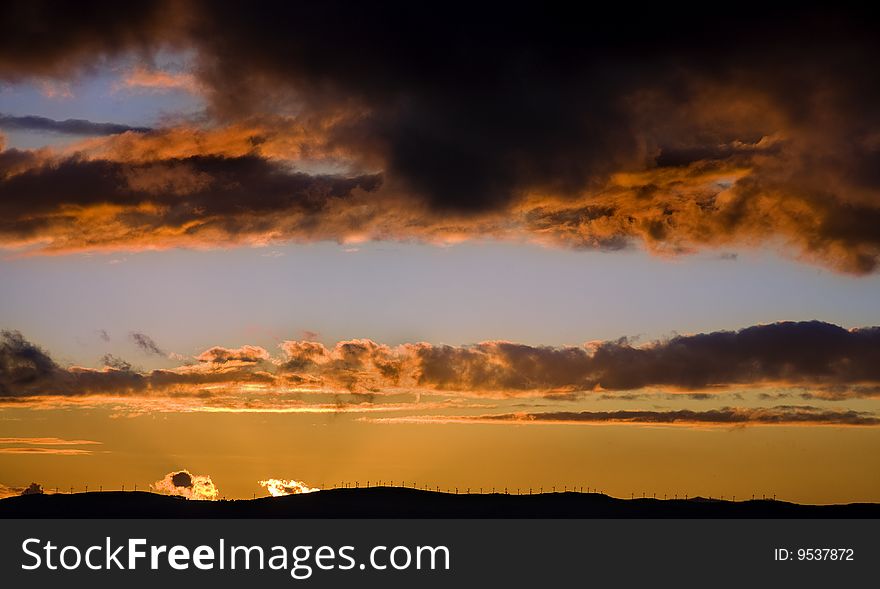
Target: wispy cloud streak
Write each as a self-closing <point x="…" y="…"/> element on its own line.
<point x="67" y="126"/>
<point x="784" y="415"/>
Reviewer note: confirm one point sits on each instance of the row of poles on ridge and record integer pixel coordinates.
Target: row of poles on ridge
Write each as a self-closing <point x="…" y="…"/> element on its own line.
<point x="476" y="490"/>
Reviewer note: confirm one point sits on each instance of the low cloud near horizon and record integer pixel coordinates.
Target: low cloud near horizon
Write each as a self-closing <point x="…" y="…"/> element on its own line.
<point x="811" y="360"/>
<point x="282" y="487"/>
<point x="826" y="360"/>
<point x="183" y="483"/>
<point x="13" y="491"/>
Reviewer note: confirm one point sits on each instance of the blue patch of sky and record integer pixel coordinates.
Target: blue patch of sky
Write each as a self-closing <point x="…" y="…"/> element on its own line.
<point x="394" y="293"/>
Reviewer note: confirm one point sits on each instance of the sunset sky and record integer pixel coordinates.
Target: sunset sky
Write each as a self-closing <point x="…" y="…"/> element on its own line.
<point x="474" y="248"/>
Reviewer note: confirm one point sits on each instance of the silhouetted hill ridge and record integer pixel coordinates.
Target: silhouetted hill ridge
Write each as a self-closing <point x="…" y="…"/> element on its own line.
<point x="386" y="502"/>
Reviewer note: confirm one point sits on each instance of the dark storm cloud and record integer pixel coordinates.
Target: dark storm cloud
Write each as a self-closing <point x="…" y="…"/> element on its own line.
<point x="191" y="187"/>
<point x="477" y="107"/>
<point x="665" y="126"/>
<point x="68" y="126"/>
<point x="138" y="205"/>
<point x="53" y="37"/>
<point x="22" y="364"/>
<point x="469" y="109"/>
<point x="790" y="353"/>
<point x="27" y="371"/>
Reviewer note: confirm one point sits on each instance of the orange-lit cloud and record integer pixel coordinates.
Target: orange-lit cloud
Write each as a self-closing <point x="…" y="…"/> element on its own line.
<point x="819" y="359"/>
<point x="234" y="401"/>
<point x="243" y="355"/>
<point x="6" y="491"/>
<point x="30" y="450"/>
<point x="281" y="487"/>
<point x="171" y="188"/>
<point x="183" y="483"/>
<point x="201" y="201"/>
<point x="32" y="489"/>
<point x="47" y="441"/>
<point x="141" y="78"/>
<point x="270" y="137"/>
<point x="38" y="446"/>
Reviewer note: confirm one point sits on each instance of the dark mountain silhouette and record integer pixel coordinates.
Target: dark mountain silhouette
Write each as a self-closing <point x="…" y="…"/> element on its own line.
<point x="386" y="502"/>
